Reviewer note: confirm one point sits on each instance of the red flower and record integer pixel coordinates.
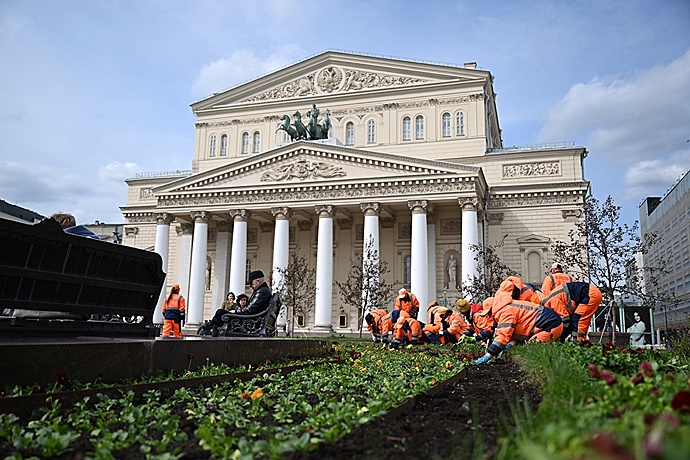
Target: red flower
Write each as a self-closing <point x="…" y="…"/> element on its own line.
<point x="61" y="378"/>
<point x="585" y="343"/>
<point x="637" y="380"/>
<point x="608" y="377"/>
<point x="608" y="447"/>
<point x="681" y="401"/>
<point x="594" y="371"/>
<point x="646" y="369"/>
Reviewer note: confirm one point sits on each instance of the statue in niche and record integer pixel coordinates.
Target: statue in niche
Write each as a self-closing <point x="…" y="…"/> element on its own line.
<point x="452" y="271"/>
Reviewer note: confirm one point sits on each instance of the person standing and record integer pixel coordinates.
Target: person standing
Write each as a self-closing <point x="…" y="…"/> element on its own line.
<point x="555" y="279"/>
<point x="407" y="302"/>
<point x="173" y="313"/>
<point x="637" y="331"/>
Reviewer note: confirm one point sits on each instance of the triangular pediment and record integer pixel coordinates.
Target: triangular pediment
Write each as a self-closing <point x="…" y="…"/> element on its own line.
<point x="534" y="239"/>
<point x="308" y="164"/>
<point x="332" y="73"/>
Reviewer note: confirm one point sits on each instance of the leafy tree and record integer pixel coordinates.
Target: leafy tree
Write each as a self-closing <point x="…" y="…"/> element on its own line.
<point x="296" y="286"/>
<point x="600" y="249"/>
<point x="365" y="287"/>
<point x="492" y="271"/>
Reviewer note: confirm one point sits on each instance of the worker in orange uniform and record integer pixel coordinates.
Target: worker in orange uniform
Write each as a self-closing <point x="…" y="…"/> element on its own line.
<point x="173" y="313"/>
<point x="374" y="319"/>
<point x="522" y="290"/>
<point x="386" y="325"/>
<point x="431" y="328"/>
<point x="579" y="301"/>
<point x="407" y="330"/>
<point x="456" y="326"/>
<point x="408" y="302"/>
<point x="482" y="322"/>
<point x="555" y="279"/>
<point x="519" y="321"/>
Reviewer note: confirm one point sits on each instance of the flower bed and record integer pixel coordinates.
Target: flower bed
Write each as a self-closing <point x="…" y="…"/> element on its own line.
<point x="262" y="417"/>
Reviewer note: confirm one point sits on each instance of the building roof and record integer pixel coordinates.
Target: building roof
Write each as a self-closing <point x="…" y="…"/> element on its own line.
<point x="19" y="212"/>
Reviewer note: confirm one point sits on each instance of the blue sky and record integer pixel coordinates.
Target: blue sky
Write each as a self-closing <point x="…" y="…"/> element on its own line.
<point x="92" y="92"/>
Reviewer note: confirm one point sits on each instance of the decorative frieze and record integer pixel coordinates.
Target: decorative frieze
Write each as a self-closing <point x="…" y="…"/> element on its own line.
<point x="451" y="227"/>
<point x="494" y="218"/>
<point x="571" y="215"/>
<point x="405" y="231"/>
<point x="252" y="236"/>
<point x="145" y="193"/>
<point x="131" y="231"/>
<point x="303" y="169"/>
<point x="266" y="227"/>
<point x="388" y="188"/>
<point x="387" y="222"/>
<point x="534" y="199"/>
<point x="345" y="224"/>
<point x="141" y="218"/>
<point x="531" y="170"/>
<point x="305" y="225"/>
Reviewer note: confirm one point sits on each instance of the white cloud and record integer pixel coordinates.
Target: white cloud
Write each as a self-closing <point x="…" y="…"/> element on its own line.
<point x="241" y="66"/>
<point x="11" y="25"/>
<point x="115" y="173"/>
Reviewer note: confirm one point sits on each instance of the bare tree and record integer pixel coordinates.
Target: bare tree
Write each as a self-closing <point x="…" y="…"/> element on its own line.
<point x="365" y="287"/>
<point x="492" y="271"/>
<point x="297" y="286"/>
<point x="600" y="249"/>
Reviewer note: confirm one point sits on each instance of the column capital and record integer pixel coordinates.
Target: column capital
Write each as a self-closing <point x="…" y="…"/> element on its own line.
<point x="240" y="215"/>
<point x="469" y="203"/>
<point x="163" y="218"/>
<point x="281" y="213"/>
<point x="371" y="209"/>
<point x="325" y="210"/>
<point x="200" y="216"/>
<point x="419" y="206"/>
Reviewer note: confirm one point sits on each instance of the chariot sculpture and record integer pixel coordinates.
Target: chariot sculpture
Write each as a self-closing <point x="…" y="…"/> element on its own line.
<point x="312" y="131"/>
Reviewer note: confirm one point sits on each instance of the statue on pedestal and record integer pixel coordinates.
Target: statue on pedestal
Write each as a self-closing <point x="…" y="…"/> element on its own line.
<point x="452" y="272"/>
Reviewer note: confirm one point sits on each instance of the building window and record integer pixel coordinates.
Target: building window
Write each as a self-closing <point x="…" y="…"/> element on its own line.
<point x="223" y="145"/>
<point x="247" y="269"/>
<point x="460" y="123"/>
<point x="212" y="146"/>
<point x="256" y="144"/>
<point x="342" y="320"/>
<point x="301" y="320"/>
<point x="371" y="131"/>
<point x="419" y="127"/>
<point x="445" y="124"/>
<point x="350" y="133"/>
<point x="407" y="129"/>
<point x="407" y="270"/>
<point x="245" y="142"/>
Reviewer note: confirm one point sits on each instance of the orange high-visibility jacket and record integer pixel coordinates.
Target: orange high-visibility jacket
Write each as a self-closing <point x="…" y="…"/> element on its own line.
<point x="407" y="328"/>
<point x="176" y="303"/>
<point x="525" y="290"/>
<point x="406" y="305"/>
<point x="434" y="324"/>
<point x="375" y="327"/>
<point x="553" y="280"/>
<point x="456" y="325"/>
<point x="483" y="325"/>
<point x="519" y="320"/>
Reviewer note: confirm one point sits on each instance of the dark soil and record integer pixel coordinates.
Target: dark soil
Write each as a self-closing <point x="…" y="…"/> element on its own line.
<point x="462" y="420"/>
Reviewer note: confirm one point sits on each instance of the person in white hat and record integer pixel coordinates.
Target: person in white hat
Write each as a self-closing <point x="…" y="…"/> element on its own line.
<point x="555" y="279"/>
<point x="408" y="302"/>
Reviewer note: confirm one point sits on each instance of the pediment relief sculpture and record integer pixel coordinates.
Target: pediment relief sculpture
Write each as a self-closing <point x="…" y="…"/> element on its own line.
<point x="303" y="169"/>
<point x="333" y="79"/>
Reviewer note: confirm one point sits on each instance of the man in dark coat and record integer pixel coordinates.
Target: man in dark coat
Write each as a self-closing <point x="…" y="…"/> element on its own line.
<point x="261" y="296"/>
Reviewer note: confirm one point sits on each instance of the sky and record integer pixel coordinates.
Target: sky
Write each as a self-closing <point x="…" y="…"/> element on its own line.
<point x="94" y="91"/>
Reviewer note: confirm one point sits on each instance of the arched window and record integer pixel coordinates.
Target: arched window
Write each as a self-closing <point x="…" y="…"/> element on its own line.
<point x="245" y="142"/>
<point x="247" y="268"/>
<point x="350" y="133"/>
<point x="407" y="270"/>
<point x="224" y="145"/>
<point x="460" y="123"/>
<point x="407" y="129"/>
<point x="256" y="144"/>
<point x="419" y="127"/>
<point x="371" y="131"/>
<point x="212" y="146"/>
<point x="445" y="124"/>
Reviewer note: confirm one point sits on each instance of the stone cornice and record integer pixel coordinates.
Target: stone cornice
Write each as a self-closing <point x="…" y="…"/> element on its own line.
<point x="509" y="200"/>
<point x="389" y="188"/>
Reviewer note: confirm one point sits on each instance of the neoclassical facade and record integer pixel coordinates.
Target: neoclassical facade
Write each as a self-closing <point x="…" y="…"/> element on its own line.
<point x="411" y="161"/>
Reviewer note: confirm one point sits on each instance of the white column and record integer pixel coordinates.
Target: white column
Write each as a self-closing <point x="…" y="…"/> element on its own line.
<point x="470" y="237"/>
<point x="197" y="278"/>
<point x="431" y="250"/>
<point x="324" y="269"/>
<point x="238" y="257"/>
<point x="370" y="257"/>
<point x="184" y="259"/>
<point x="162" y="247"/>
<point x="281" y="254"/>
<point x="420" y="257"/>
<point x="219" y="281"/>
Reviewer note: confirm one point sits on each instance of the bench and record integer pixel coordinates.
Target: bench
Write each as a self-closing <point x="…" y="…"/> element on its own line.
<point x="53" y="284"/>
<point x="262" y="324"/>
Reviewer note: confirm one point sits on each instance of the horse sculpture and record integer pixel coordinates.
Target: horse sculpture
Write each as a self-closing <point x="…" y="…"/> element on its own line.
<point x="299" y="126"/>
<point x="315" y="130"/>
<point x="290" y="130"/>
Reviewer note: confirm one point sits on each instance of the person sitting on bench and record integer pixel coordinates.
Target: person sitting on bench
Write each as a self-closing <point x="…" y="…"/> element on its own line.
<point x="260" y="298"/>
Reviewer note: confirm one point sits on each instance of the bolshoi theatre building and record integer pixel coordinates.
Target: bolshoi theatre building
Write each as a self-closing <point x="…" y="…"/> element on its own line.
<point x="341" y="149"/>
